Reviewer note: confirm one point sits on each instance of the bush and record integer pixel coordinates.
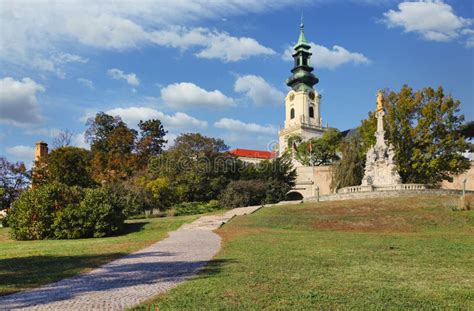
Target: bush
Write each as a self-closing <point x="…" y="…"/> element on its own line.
<point x="243" y="193"/>
<point x="135" y="199"/>
<point x="32" y="215"/>
<point x="56" y="211"/>
<point x="253" y="192"/>
<point x="276" y="191"/>
<point x="193" y="208"/>
<point x="103" y="212"/>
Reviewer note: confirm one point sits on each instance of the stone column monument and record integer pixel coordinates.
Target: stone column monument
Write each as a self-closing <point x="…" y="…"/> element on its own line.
<point x="380" y="169"/>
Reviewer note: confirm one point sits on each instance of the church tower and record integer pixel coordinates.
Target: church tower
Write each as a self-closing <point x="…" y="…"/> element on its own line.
<point x="302" y="103"/>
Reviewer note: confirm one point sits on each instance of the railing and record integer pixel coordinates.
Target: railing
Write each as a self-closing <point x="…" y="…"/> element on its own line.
<point x="401" y="187"/>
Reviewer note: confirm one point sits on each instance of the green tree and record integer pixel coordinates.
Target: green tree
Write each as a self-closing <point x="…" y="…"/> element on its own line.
<point x="320" y="151"/>
<point x="424" y="126"/>
<point x="14" y="179"/>
<point x="467" y="130"/>
<point x="349" y="171"/>
<point x="151" y="140"/>
<point x="70" y="166"/>
<point x="162" y="192"/>
<point x="197" y="166"/>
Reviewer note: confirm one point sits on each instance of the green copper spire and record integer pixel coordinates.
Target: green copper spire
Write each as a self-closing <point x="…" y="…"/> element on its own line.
<point x="302" y="78"/>
<point x="301" y="39"/>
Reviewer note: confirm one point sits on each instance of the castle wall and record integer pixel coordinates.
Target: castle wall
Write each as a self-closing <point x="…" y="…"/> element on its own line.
<point x="308" y="178"/>
<point x="458" y="180"/>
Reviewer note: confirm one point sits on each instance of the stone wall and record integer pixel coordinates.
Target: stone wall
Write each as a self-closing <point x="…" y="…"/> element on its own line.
<point x="308" y="178"/>
<point x="458" y="180"/>
<point x="383" y="194"/>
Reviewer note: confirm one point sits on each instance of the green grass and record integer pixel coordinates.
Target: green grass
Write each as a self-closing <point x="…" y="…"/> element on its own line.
<point x="28" y="264"/>
<point x="404" y="253"/>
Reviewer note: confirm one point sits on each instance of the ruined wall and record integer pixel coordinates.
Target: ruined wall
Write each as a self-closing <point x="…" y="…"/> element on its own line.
<point x="308" y="178"/>
<point x="458" y="180"/>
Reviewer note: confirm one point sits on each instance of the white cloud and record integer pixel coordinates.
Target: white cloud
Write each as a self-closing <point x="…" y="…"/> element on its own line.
<point x="239" y="126"/>
<point x="118" y="74"/>
<point x="50" y="132"/>
<point x="330" y="58"/>
<point x="178" y="121"/>
<point x="79" y="140"/>
<point x="86" y="82"/>
<point x="63" y="58"/>
<point x="433" y="20"/>
<point x="213" y="44"/>
<point x="231" y="49"/>
<point x="18" y="102"/>
<point x="257" y="89"/>
<point x="33" y="34"/>
<point x="189" y="95"/>
<point x="22" y="153"/>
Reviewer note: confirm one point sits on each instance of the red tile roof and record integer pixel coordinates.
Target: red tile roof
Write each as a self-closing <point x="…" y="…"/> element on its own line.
<point x="247" y="153"/>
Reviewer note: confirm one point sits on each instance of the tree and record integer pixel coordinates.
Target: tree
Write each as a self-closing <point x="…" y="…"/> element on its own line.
<point x="197" y="166"/>
<point x="151" y="141"/>
<point x="14" y="179"/>
<point x="349" y="171"/>
<point x="63" y="139"/>
<point x="278" y="176"/>
<point x="320" y="151"/>
<point x="467" y="130"/>
<point x="162" y="192"/>
<point x="70" y="166"/>
<point x="424" y="126"/>
<point x="112" y="144"/>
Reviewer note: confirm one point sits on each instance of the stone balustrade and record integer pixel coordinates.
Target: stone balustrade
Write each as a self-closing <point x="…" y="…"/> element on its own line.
<point x="396" y="187"/>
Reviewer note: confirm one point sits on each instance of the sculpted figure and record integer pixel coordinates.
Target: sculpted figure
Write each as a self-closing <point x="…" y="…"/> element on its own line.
<point x="379" y="101"/>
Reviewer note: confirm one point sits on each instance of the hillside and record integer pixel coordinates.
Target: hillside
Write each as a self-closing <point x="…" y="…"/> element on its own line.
<point x="365" y="254"/>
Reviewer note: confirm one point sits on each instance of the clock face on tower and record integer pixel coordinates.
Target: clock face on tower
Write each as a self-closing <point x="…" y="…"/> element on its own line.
<point x="292" y="96"/>
<point x="311" y="95"/>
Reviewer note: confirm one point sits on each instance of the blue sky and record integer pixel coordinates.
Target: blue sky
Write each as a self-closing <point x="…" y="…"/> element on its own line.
<point x="217" y="67"/>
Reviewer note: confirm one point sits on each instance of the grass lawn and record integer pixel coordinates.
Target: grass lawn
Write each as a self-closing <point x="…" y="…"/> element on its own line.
<point x="402" y="253"/>
<point x="28" y="264"/>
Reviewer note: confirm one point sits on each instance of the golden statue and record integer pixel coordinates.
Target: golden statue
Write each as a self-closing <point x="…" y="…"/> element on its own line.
<point x="379" y="101"/>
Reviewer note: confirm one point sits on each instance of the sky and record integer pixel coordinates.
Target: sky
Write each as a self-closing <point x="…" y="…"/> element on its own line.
<point x="217" y="67"/>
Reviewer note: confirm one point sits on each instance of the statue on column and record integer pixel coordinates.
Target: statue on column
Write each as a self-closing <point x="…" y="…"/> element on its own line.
<point x="380" y="168"/>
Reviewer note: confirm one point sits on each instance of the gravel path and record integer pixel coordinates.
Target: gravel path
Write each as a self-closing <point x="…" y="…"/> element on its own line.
<point x="139" y="276"/>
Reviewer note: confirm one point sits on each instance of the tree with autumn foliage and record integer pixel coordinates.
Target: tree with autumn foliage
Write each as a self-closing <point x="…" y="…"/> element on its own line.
<point x="112" y="143"/>
<point x="425" y="128"/>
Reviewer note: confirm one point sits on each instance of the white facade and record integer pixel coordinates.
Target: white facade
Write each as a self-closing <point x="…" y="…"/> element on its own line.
<point x="302" y="117"/>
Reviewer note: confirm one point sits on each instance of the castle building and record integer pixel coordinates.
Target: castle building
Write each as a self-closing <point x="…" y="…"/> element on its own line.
<point x="252" y="156"/>
<point x="302" y="103"/>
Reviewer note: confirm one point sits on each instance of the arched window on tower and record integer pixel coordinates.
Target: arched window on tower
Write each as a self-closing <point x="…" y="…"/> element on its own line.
<point x="311" y="112"/>
<point x="292" y="113"/>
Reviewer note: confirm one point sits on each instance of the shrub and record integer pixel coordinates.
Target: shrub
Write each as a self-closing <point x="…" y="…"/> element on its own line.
<point x="105" y="212"/>
<point x="193" y="208"/>
<point x="243" y="193"/>
<point x="32" y="215"/>
<point x="56" y="211"/>
<point x="135" y="199"/>
<point x="276" y="191"/>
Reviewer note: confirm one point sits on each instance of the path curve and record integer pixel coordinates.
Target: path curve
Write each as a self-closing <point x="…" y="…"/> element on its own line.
<point x="132" y="279"/>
